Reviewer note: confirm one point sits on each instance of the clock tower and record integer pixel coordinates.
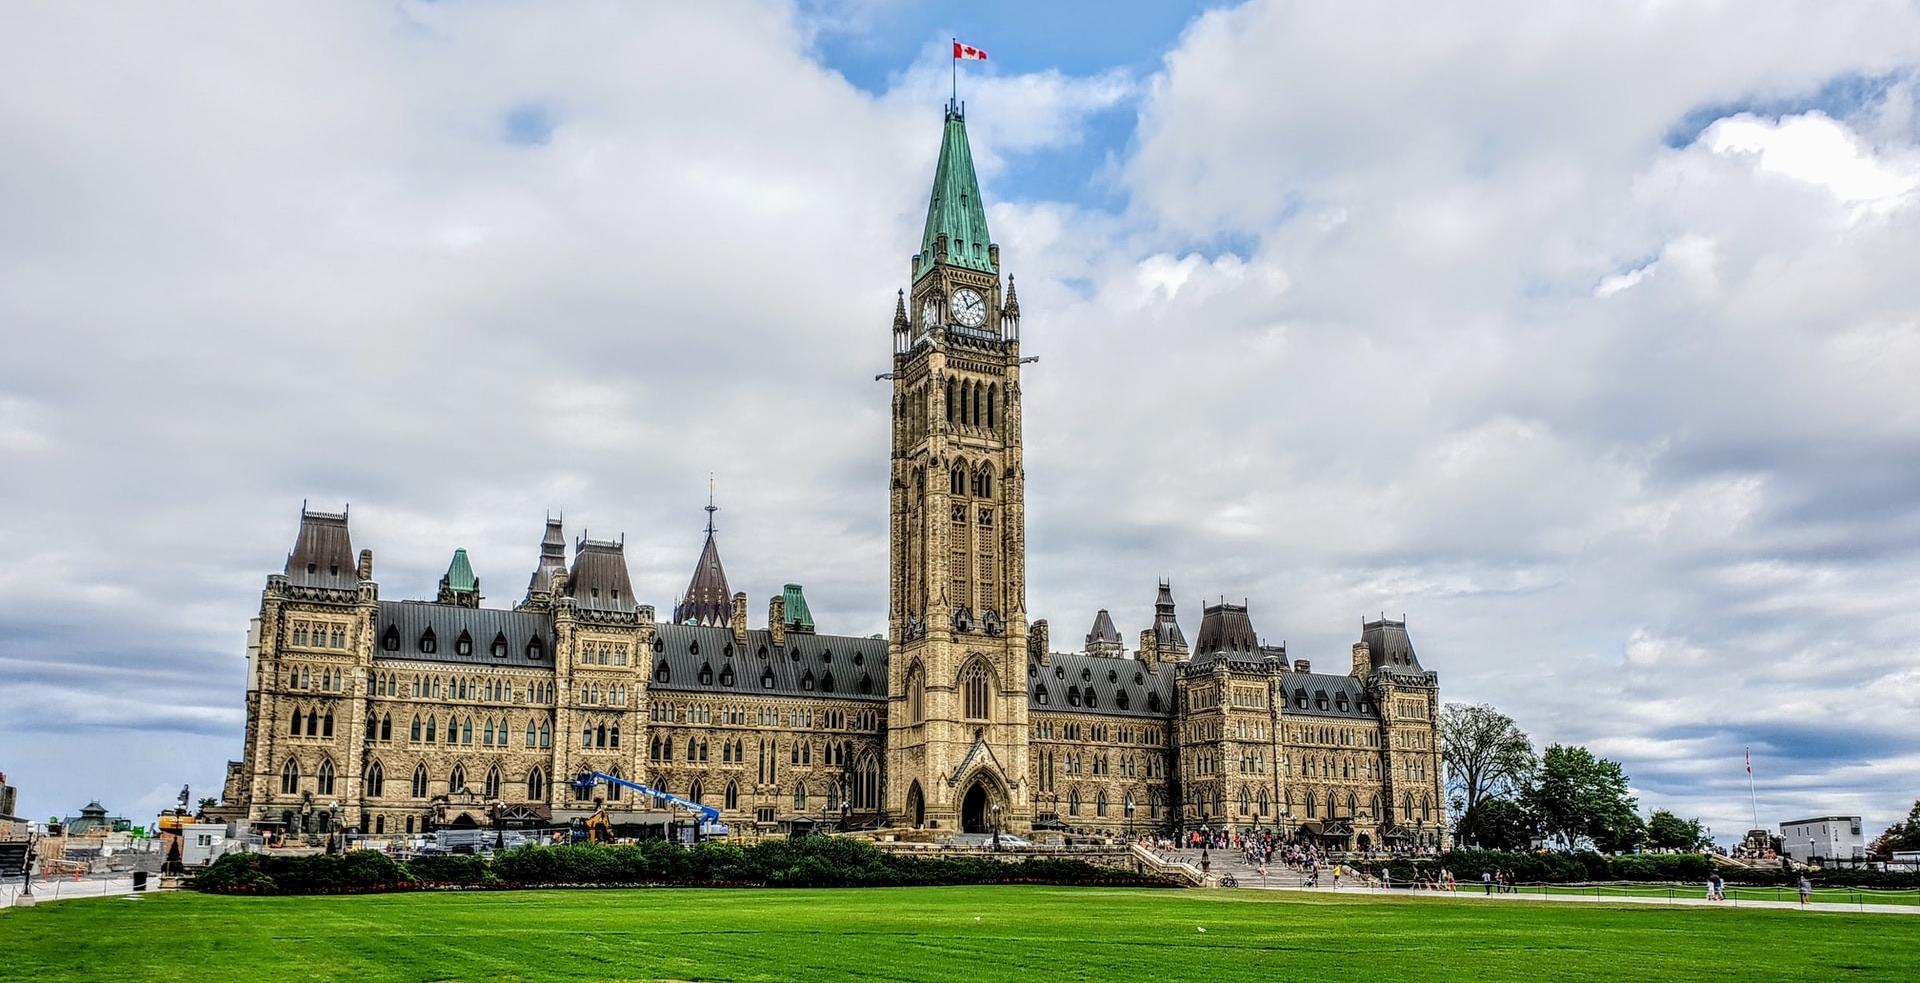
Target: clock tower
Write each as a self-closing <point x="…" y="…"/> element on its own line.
<point x="957" y="710"/>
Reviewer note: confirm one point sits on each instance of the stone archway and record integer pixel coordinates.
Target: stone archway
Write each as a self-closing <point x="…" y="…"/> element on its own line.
<point x="973" y="810"/>
<point x="916" y="806"/>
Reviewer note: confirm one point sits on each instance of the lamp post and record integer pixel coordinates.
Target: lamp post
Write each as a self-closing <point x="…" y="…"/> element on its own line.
<point x="994" y="812"/>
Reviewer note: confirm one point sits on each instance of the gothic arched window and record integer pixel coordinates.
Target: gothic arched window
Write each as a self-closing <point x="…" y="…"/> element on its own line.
<point x="536" y="785"/>
<point x="324" y="783"/>
<point x="290" y="777"/>
<point x="916" y="694"/>
<point x="376" y="780"/>
<point x="974" y="682"/>
<point x="492" y="787"/>
<point x="957" y="483"/>
<point x="420" y="781"/>
<point x="733" y="796"/>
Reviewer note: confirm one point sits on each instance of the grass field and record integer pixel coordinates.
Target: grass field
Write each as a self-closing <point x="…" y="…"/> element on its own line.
<point x="971" y="934"/>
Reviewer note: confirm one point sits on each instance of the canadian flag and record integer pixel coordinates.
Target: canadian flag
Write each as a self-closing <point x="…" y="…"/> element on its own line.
<point x="967" y="52"/>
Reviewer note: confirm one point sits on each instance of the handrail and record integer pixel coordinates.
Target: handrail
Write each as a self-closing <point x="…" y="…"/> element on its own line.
<point x="1185" y="871"/>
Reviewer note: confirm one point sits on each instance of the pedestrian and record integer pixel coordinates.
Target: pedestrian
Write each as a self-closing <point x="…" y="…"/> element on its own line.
<point x="1336" y="877"/>
<point x="1806" y="889"/>
<point x="1486" y="881"/>
<point x="1386" y="879"/>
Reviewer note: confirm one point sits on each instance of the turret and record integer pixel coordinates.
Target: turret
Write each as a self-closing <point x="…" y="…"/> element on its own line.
<point x="459" y="586"/>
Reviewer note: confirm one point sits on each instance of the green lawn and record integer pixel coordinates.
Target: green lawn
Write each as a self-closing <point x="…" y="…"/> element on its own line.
<point x="1789" y="894"/>
<point x="974" y="934"/>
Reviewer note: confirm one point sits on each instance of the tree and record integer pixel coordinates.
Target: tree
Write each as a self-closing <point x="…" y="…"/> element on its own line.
<point x="1577" y="796"/>
<point x="1486" y="754"/>
<point x="1666" y="831"/>
<point x="1899" y="836"/>
<point x="1495" y="824"/>
<point x="206" y="804"/>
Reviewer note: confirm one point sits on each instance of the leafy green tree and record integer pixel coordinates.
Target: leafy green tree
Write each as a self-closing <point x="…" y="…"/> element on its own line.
<point x="1577" y="796"/>
<point x="1486" y="754"/>
<point x="1666" y="831"/>
<point x="1899" y="836"/>
<point x="1496" y="824"/>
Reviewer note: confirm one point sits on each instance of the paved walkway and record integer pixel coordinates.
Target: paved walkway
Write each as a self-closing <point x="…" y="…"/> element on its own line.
<point x="62" y="888"/>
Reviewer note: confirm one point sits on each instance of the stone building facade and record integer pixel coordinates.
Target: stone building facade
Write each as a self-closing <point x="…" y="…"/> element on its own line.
<point x="390" y="716"/>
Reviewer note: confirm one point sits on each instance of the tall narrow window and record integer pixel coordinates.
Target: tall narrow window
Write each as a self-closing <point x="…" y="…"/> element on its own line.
<point x="290" y="777"/>
<point x="993" y="398"/>
<point x="420" y="781"/>
<point x="800" y="797"/>
<point x="324" y="784"/>
<point x="298" y="718"/>
<point x="536" y="785"/>
<point x="457" y="782"/>
<point x="974" y="683"/>
<point x="386" y="727"/>
<point x="376" y="780"/>
<point x="733" y="796"/>
<point x="493" y="782"/>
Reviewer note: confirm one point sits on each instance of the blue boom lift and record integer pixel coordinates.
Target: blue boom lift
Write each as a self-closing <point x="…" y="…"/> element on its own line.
<point x="709" y="824"/>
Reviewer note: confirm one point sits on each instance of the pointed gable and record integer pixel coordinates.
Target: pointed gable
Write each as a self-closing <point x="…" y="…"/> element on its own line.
<point x="599" y="578"/>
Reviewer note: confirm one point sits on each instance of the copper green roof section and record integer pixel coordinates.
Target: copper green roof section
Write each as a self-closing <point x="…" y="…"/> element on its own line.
<point x="955" y="209"/>
<point x="460" y="573"/>
<point x="795" y="604"/>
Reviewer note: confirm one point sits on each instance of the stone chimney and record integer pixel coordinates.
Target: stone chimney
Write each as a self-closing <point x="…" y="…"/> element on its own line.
<point x="1302" y="665"/>
<point x="739" y="620"/>
<point x="1362" y="660"/>
<point x="366" y="564"/>
<point x="777" y="619"/>
<point x="1038" y="647"/>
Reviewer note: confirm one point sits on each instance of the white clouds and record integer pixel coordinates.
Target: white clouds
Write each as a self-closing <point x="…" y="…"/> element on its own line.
<point x="1816" y="149"/>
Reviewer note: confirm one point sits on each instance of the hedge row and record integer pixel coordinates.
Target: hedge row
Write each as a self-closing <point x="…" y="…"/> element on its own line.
<point x="804" y="862"/>
<point x="1585" y="867"/>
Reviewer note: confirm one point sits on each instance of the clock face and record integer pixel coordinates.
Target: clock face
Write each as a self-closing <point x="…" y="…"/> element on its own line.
<point x="969" y="308"/>
<point x="929" y="314"/>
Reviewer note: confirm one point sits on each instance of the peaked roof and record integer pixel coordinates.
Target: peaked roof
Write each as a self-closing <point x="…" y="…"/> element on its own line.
<point x="707" y="601"/>
<point x="460" y="573"/>
<point x="1389" y="645"/>
<point x="1103" y="629"/>
<point x="323" y="555"/>
<point x="954" y="209"/>
<point x="1226" y="628"/>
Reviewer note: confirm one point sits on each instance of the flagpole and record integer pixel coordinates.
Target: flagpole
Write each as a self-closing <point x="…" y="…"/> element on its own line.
<point x="953" y="65"/>
<point x="1754" y="796"/>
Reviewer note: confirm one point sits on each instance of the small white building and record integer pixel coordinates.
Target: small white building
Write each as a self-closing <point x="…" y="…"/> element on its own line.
<point x="1823" y="838"/>
<point x="202" y="843"/>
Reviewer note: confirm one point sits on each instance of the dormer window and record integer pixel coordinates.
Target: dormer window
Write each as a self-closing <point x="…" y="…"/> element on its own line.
<point x="866" y="685"/>
<point x="826" y="683"/>
<point x="1073" y="696"/>
<point x="535" y="650"/>
<point x="1112" y="676"/>
<point x="1300" y="699"/>
<point x="1086" y="675"/>
<point x="1153" y="702"/>
<point x="333" y="570"/>
<point x="1040" y="695"/>
<point x="706" y="674"/>
<point x="616" y="593"/>
<point x="859" y="660"/>
<point x="659" y="646"/>
<point x="594" y="592"/>
<point x="463" y="645"/>
<point x="313" y="568"/>
<point x="693" y="648"/>
<point x="499" y="646"/>
<point x="391" y="640"/>
<point x="1320" y="700"/>
<point x="428" y="643"/>
<point x="1120" y="700"/>
<point x="1092" y="700"/>
<point x="726" y="675"/>
<point x="826" y="655"/>
<point x="766" y="679"/>
<point x="763" y="651"/>
<point x="662" y="674"/>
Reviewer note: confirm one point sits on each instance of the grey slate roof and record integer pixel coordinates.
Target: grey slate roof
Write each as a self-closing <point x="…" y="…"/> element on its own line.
<point x="1166" y="627"/>
<point x="553" y="557"/>
<point x="323" y="554"/>
<point x="1103" y="629"/>
<point x="697" y="657"/>
<point x="1389" y="645"/>
<point x="399" y="627"/>
<point x="1226" y="628"/>
<point x="1119" y="686"/>
<point x="707" y="601"/>
<point x="1326" y="696"/>
<point x="599" y="578"/>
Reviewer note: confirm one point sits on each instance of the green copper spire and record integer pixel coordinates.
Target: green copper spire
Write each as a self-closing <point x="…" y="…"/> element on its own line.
<point x="955" y="210"/>
<point x="460" y="573"/>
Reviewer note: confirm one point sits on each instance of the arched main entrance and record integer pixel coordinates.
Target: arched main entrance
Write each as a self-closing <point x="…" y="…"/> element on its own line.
<point x="973" y="810"/>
